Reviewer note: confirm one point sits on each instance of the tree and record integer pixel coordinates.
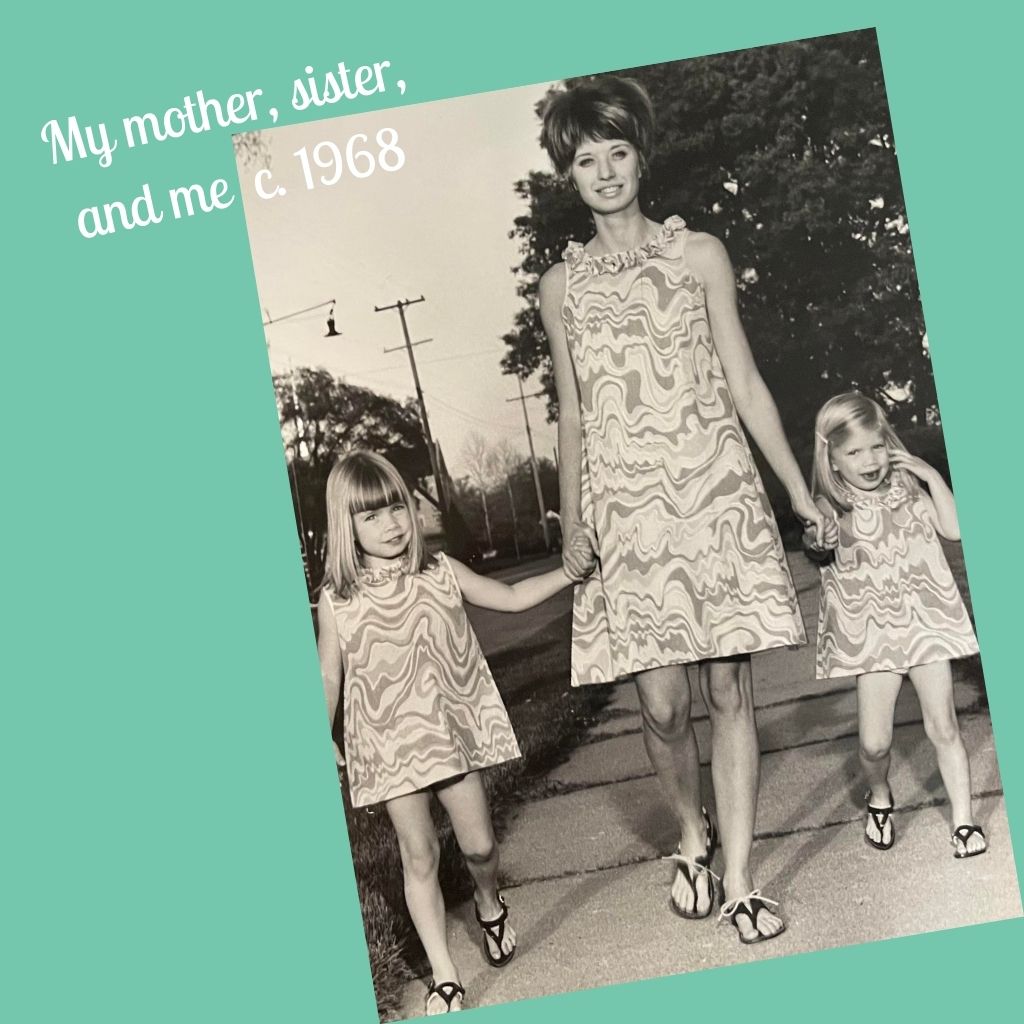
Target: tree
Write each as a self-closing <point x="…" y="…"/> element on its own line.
<point x="505" y="464"/>
<point x="786" y="153"/>
<point x="478" y="461"/>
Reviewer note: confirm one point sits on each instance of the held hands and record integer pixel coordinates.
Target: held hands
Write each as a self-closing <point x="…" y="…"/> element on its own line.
<point x="579" y="552"/>
<point x="814" y="521"/>
<point x="829" y="540"/>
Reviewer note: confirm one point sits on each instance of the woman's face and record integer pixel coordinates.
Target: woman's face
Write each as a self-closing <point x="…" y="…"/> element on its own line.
<point x="606" y="172"/>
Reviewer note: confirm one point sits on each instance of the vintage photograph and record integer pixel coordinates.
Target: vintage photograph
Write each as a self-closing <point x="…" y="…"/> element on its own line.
<point x="631" y="548"/>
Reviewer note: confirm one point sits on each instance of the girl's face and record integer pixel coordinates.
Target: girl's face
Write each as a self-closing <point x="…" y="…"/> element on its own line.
<point x="383" y="534"/>
<point x="606" y="173"/>
<point x="862" y="460"/>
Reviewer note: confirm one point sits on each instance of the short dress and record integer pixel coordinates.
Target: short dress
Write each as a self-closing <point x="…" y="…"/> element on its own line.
<point x="691" y="563"/>
<point x="420" y="703"/>
<point x="888" y="599"/>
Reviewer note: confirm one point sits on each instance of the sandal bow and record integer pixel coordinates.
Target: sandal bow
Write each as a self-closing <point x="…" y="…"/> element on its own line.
<point x="750" y="906"/>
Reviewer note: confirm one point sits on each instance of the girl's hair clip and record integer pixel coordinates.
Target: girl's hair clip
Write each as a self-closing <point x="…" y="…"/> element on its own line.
<point x="821" y="437"/>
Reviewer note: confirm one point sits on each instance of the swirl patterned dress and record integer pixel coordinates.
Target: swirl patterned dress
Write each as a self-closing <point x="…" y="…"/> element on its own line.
<point x="420" y="703"/>
<point x="888" y="600"/>
<point x="691" y="564"/>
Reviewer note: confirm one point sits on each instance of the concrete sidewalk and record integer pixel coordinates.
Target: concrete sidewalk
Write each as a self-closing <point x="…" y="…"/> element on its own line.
<point x="589" y="895"/>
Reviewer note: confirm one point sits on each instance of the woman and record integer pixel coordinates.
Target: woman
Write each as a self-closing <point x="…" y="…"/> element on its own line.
<point x="654" y="376"/>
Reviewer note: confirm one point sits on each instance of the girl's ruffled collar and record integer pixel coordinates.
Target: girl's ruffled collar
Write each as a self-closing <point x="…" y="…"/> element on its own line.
<point x="893" y="498"/>
<point x="577" y="257"/>
<point x="375" y="577"/>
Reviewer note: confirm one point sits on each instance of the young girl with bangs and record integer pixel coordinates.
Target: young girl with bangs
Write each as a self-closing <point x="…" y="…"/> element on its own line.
<point x="889" y="605"/>
<point x="422" y="714"/>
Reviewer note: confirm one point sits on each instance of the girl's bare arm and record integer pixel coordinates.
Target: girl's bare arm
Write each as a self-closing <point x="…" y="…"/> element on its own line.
<point x="485" y="592"/>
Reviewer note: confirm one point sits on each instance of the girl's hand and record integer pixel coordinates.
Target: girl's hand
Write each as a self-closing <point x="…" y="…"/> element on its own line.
<point x="912" y="464"/>
<point x="829" y="540"/>
<point x="811" y="516"/>
<point x="579" y="551"/>
<point x="584" y="545"/>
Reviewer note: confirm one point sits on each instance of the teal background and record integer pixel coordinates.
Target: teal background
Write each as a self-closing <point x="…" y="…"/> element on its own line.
<point x="174" y="842"/>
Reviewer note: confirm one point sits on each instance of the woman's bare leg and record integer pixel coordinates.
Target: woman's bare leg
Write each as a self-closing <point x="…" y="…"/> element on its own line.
<point x="672" y="748"/>
<point x="727" y="687"/>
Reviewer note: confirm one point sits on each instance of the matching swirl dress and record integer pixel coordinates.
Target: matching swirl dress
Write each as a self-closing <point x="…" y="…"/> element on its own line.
<point x="691" y="563"/>
<point x="888" y="600"/>
<point x="420" y="703"/>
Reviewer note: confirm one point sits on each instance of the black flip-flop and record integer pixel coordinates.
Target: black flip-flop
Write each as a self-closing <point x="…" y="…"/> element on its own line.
<point x="750" y="906"/>
<point x="692" y="868"/>
<point x="496" y="930"/>
<point x="449" y="991"/>
<point x="960" y="835"/>
<point x="881" y="816"/>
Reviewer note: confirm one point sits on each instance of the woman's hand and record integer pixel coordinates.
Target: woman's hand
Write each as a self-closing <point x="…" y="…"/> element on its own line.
<point x="812" y="517"/>
<point x="829" y="541"/>
<point x="579" y="551"/>
<point x="339" y="757"/>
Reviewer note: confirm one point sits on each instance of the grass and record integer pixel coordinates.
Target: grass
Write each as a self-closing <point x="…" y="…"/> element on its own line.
<point x="549" y="720"/>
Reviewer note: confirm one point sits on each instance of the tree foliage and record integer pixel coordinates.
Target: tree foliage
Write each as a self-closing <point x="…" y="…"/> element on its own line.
<point x="786" y="154"/>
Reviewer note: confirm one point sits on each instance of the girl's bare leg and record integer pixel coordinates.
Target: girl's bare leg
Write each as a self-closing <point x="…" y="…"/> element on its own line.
<point x="728" y="691"/>
<point x="465" y="800"/>
<point x="934" y="685"/>
<point x="876" y="708"/>
<point x="672" y="748"/>
<point x="418" y="845"/>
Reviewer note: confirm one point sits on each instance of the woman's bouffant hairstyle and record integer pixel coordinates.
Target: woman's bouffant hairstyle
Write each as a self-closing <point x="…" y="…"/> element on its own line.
<point x="832" y="426"/>
<point x="599" y="108"/>
<point x="360" y="481"/>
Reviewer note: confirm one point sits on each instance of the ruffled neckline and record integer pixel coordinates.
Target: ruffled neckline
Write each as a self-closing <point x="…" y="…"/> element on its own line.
<point x="377" y="577"/>
<point x="576" y="256"/>
<point x="893" y="498"/>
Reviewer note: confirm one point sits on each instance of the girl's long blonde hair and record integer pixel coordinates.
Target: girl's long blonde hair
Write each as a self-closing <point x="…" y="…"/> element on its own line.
<point x="832" y="426"/>
<point x="360" y="481"/>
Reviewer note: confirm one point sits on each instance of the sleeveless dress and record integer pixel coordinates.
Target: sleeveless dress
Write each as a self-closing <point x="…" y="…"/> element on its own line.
<point x="888" y="600"/>
<point x="691" y="563"/>
<point x="420" y="703"/>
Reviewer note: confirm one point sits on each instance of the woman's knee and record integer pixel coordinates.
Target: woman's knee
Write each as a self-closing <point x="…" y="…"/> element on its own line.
<point x="667" y="714"/>
<point x="728" y="691"/>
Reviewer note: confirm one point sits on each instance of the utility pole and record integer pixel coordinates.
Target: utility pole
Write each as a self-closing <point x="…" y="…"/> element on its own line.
<point x="400" y="305"/>
<point x="533" y="461"/>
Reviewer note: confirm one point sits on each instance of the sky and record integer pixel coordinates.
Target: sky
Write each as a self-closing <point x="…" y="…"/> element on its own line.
<point x="436" y="227"/>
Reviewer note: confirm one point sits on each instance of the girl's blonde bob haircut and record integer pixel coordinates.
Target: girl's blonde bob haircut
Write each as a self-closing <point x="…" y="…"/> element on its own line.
<point x="601" y="108"/>
<point x="832" y="426"/>
<point x="358" y="482"/>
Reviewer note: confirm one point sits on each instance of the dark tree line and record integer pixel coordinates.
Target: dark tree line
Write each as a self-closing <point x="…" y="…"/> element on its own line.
<point x="785" y="153"/>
